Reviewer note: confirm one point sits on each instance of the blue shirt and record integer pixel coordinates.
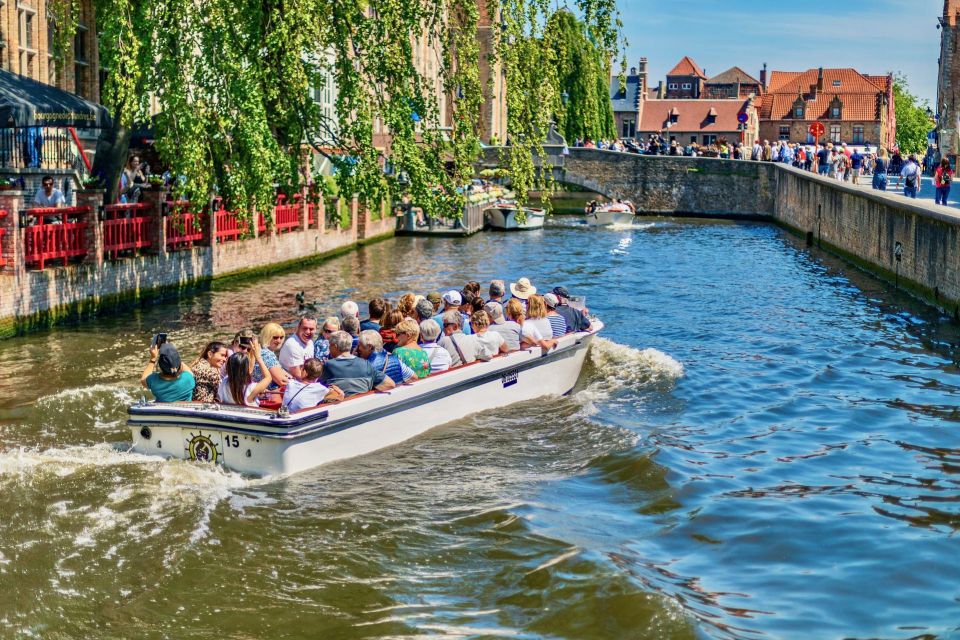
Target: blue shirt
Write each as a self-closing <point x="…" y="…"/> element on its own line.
<point x="179" y="390"/>
<point x="396" y="370"/>
<point x="558" y="325"/>
<point x="464" y="323"/>
<point x="321" y="349"/>
<point x="369" y="325"/>
<point x="269" y="359"/>
<point x="856" y="160"/>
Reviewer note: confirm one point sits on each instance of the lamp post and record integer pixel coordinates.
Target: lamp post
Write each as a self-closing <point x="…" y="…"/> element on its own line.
<point x="565" y="98"/>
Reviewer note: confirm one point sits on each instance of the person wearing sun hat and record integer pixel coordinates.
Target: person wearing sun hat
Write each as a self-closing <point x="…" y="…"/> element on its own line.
<point x="521" y="290"/>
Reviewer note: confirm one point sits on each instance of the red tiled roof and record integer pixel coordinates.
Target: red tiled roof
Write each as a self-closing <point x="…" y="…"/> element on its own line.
<point x="692" y="115"/>
<point x="850" y="81"/>
<point x="856" y="106"/>
<point x="687" y="67"/>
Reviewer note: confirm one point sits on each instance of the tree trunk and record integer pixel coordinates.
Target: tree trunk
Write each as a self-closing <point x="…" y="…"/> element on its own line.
<point x="111" y="158"/>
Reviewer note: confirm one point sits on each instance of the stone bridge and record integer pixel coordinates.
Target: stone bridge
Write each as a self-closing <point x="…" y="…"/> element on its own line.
<point x="665" y="184"/>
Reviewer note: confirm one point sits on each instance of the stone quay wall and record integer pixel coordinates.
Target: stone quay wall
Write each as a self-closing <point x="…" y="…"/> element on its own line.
<point x="33" y="298"/>
<point x="863" y="226"/>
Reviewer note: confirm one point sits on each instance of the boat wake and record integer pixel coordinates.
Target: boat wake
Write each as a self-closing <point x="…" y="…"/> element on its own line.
<point x="612" y="368"/>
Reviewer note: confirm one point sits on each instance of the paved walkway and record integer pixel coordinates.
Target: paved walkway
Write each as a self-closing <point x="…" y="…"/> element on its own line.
<point x="926" y="190"/>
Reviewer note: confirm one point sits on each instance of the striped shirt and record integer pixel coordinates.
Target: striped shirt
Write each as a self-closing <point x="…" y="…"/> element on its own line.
<point x="558" y="324"/>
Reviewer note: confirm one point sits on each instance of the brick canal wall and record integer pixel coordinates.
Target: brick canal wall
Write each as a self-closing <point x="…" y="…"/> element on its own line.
<point x="32" y="298"/>
<point x="862" y="226"/>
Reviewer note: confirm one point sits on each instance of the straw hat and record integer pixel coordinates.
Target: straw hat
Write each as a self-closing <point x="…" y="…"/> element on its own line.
<point x="522" y="288"/>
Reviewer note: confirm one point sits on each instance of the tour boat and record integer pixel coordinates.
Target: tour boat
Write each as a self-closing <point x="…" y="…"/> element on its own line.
<point x="503" y="216"/>
<point x="611" y="213"/>
<point x="261" y="442"/>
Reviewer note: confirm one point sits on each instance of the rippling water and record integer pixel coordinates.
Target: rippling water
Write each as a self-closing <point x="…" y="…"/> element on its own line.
<point x="763" y="445"/>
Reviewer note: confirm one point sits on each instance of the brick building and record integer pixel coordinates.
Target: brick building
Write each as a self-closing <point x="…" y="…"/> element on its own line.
<point x="685" y="80"/>
<point x="732" y="83"/>
<point x="702" y="121"/>
<point x="853" y="107"/>
<point x="948" y="81"/>
<point x="26" y="35"/>
<point x="625" y="98"/>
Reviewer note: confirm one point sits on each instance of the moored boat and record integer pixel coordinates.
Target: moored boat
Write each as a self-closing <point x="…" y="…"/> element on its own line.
<point x="261" y="442"/>
<point x="602" y="215"/>
<point x="503" y="216"/>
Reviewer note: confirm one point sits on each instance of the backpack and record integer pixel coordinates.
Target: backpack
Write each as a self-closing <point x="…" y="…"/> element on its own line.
<point x="912" y="180"/>
<point x="945" y="178"/>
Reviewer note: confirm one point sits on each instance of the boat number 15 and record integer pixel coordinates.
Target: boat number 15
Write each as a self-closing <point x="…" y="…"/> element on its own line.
<point x="231" y="441"/>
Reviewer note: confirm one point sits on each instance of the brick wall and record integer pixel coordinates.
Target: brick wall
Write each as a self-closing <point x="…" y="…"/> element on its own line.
<point x="874" y="132"/>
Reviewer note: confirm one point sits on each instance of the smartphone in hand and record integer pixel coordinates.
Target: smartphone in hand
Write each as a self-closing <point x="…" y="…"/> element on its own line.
<point x="247" y="342"/>
<point x="158" y="340"/>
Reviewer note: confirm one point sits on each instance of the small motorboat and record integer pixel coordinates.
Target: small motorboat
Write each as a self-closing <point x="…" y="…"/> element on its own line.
<point x="604" y="215"/>
<point x="261" y="441"/>
<point x="502" y="215"/>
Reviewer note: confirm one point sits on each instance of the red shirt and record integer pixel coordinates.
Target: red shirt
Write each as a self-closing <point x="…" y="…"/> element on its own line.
<point x="937" y="176"/>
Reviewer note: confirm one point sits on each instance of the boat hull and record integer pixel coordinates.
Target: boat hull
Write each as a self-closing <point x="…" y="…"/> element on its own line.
<point x="505" y="219"/>
<point x="607" y="218"/>
<point x="259" y="442"/>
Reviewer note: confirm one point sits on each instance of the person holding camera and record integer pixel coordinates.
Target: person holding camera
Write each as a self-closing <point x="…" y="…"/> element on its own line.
<point x="174" y="382"/>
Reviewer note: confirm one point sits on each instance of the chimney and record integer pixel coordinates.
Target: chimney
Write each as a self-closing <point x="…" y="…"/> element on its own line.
<point x="642" y="72"/>
<point x="660" y="91"/>
<point x="763" y="76"/>
<point x="820" y="80"/>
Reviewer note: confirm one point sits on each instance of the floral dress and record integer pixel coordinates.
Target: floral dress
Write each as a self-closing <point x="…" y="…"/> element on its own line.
<point x="208" y="382"/>
<point x="415" y="358"/>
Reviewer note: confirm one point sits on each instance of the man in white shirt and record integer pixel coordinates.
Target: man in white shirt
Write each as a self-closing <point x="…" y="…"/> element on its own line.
<point x="462" y="348"/>
<point x="299" y="347"/>
<point x="911" y="171"/>
<point x="47" y="195"/>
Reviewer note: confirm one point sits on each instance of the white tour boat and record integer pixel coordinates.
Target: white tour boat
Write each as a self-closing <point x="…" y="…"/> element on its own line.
<point x="503" y="216"/>
<point x="609" y="214"/>
<point x="259" y="441"/>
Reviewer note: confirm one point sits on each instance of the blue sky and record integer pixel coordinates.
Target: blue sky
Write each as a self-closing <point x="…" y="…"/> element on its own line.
<point x="872" y="36"/>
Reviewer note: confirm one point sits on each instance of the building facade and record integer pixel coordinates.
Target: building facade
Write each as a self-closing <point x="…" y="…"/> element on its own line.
<point x="854" y="108"/>
<point x="685" y="80"/>
<point x="732" y="84"/>
<point x="626" y="97"/>
<point x="27" y="36"/>
<point x="948" y="82"/>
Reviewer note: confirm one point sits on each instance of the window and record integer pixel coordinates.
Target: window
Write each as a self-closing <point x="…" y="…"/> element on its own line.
<point x="81" y="67"/>
<point x="836" y="83"/>
<point x="834" y="133"/>
<point x="798" y="113"/>
<point x="25" y="24"/>
<point x="858" y="134"/>
<point x="686" y="86"/>
<point x="672" y="85"/>
<point x="784" y="132"/>
<point x="835" y="112"/>
<point x="629" y="128"/>
<point x="709" y="139"/>
<point x="810" y="139"/>
<point x="693" y="139"/>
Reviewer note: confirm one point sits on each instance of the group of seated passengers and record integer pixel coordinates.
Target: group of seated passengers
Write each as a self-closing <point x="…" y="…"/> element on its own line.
<point x="421" y="336"/>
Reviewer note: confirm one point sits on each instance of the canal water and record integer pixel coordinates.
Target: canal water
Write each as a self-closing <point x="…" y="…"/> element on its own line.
<point x="764" y="444"/>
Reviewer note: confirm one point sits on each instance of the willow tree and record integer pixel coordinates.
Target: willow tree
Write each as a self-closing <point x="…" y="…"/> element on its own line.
<point x="232" y="79"/>
<point x="584" y="73"/>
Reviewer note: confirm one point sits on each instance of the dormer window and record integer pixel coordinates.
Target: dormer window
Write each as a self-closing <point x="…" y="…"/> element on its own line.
<point x="686" y="86"/>
<point x="836" y="108"/>
<point x="835" y="113"/>
<point x="712" y="116"/>
<point x="798" y="113"/>
<point x="836" y="83"/>
<point x="674" y="116"/>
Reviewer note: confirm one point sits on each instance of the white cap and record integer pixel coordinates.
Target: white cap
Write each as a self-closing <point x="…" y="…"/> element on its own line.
<point x="453" y="297"/>
<point x="349" y="308"/>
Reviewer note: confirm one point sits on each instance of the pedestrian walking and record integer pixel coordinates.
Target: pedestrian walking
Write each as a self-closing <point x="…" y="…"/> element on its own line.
<point x="880" y="167"/>
<point x="856" y="165"/>
<point x="911" y="173"/>
<point x="942" y="179"/>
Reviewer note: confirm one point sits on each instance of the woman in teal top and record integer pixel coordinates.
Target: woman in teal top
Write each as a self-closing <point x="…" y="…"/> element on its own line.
<point x="174" y="382"/>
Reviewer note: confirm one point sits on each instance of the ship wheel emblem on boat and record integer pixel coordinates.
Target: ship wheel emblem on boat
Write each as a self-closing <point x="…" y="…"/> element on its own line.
<point x="202" y="449"/>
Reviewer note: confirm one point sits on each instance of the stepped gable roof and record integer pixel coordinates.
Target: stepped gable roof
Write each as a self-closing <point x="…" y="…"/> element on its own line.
<point x="856" y="106"/>
<point x="692" y="115"/>
<point x="687" y="67"/>
<point x="733" y="75"/>
<point x="850" y="81"/>
<point x="625" y="101"/>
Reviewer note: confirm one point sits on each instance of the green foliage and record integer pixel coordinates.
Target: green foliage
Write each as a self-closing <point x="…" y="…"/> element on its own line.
<point x="233" y="77"/>
<point x="913" y="123"/>
<point x="584" y="73"/>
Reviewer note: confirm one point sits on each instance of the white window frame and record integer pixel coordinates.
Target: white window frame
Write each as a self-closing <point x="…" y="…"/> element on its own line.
<point x="687" y="86"/>
<point x="835" y="133"/>
<point x="672" y="86"/>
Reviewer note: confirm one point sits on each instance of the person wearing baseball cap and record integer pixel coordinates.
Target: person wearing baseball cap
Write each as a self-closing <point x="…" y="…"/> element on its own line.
<point x="451" y="302"/>
<point x="174" y="382"/>
<point x="576" y="320"/>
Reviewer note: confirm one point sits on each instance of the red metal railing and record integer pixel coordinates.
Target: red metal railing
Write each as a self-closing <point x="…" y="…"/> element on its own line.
<point x="183" y="227"/>
<point x="125" y="227"/>
<point x="311" y="214"/>
<point x="261" y="224"/>
<point x="57" y="234"/>
<point x="3" y="261"/>
<point x="229" y="226"/>
<point x="286" y="217"/>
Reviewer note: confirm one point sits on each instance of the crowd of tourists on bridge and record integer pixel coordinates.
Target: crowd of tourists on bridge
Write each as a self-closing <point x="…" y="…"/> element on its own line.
<point x="840" y="161"/>
<point x="328" y="359"/>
